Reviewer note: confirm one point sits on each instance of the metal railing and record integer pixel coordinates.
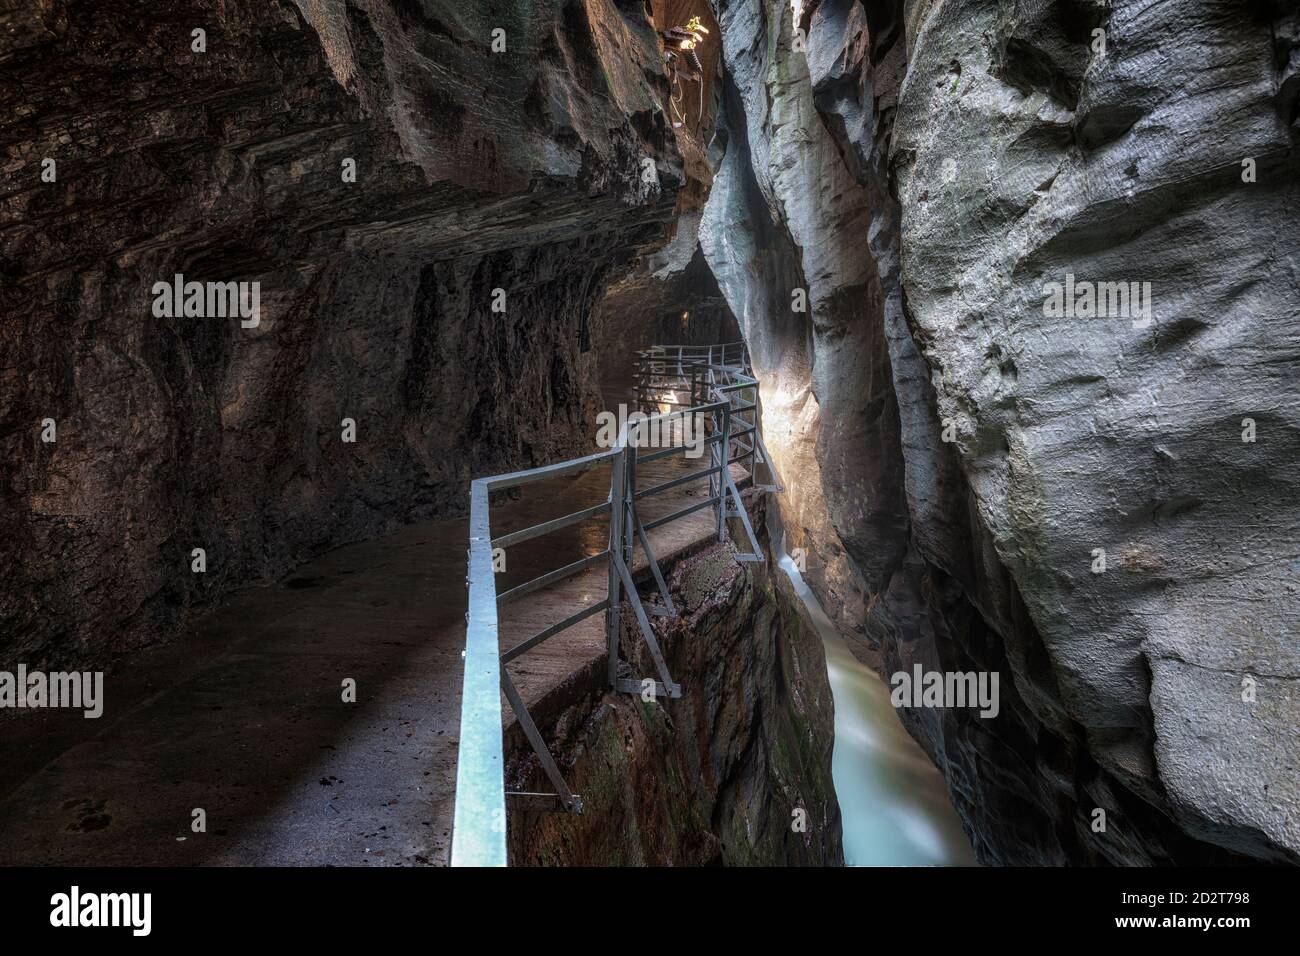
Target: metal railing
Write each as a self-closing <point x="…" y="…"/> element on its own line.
<point x="660" y="365"/>
<point x="724" y="399"/>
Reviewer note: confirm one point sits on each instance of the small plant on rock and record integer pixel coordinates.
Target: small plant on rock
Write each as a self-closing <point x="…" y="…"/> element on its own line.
<point x="683" y="63"/>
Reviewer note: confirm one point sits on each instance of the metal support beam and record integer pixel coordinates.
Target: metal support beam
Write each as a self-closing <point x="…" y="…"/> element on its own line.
<point x="757" y="553"/>
<point x="571" y="803"/>
<point x="654" y="564"/>
<point x="617" y="494"/>
<point x="540" y="636"/>
<point x="546" y="527"/>
<point x="551" y="577"/>
<point x="647" y="632"/>
<point x="724" y="475"/>
<point x="721" y="385"/>
<point x="542" y="801"/>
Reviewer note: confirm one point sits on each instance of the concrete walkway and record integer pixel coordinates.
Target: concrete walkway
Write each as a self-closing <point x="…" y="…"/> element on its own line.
<point x="242" y="716"/>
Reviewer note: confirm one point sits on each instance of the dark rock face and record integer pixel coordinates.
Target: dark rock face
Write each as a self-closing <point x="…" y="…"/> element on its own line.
<point x="714" y="778"/>
<point x="957" y="455"/>
<point x="1016" y="156"/>
<point x="671" y="297"/>
<point x="1123" y="431"/>
<point x="538" y="171"/>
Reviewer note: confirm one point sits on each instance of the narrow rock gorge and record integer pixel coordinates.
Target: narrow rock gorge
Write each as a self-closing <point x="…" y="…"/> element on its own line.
<point x="461" y="223"/>
<point x="715" y="779"/>
<point x="919" y="174"/>
<point x="1019" y="282"/>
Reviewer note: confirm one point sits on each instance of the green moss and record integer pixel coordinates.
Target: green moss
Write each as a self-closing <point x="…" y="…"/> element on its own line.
<point x="649" y="805"/>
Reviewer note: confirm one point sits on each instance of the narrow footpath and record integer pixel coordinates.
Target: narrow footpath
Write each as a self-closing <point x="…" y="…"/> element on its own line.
<point x="243" y="717"/>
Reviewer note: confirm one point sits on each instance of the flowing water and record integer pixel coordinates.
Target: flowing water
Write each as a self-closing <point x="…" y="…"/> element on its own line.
<point x="893" y="801"/>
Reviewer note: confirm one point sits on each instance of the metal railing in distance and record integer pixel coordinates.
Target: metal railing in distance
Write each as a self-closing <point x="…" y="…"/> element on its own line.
<point x="722" y="392"/>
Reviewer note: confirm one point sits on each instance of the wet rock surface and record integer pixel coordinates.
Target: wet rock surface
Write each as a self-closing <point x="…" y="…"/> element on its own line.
<point x="713" y="778"/>
<point x="538" y="170"/>
<point x="1123" y="431"/>
<point x="923" y="170"/>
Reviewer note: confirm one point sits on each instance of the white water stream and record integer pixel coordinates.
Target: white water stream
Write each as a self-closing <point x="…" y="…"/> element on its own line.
<point x="893" y="800"/>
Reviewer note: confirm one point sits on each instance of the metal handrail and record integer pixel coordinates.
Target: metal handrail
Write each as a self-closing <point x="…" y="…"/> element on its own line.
<point x="714" y="375"/>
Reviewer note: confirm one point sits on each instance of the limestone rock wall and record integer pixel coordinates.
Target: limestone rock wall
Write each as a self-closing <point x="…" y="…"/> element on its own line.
<point x="1124" y="431"/>
<point x="786" y="217"/>
<point x="923" y="170"/>
<point x="522" y="170"/>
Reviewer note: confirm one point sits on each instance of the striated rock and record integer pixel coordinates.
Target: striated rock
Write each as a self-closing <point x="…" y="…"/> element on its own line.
<point x="671" y="295"/>
<point x="523" y="171"/>
<point x="925" y="218"/>
<point x="713" y="778"/>
<point x="1026" y="156"/>
<point x="787" y="220"/>
<point x="904" y="194"/>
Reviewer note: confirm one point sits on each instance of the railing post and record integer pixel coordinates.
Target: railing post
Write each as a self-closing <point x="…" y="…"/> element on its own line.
<point x="715" y="478"/>
<point x="753" y="434"/>
<point x="478" y="836"/>
<point x="617" y="504"/>
<point x="629" y="482"/>
<point x="725" y="458"/>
